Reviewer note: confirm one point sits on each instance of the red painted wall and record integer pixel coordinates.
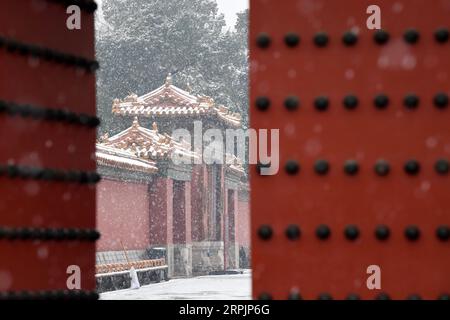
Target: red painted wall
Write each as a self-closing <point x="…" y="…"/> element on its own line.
<point x="122" y="214"/>
<point x="143" y="216"/>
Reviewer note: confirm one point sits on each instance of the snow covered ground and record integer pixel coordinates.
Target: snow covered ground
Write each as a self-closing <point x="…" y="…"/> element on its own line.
<point x="221" y="287"/>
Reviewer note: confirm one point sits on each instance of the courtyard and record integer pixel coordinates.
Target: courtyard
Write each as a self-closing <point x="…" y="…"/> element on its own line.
<point x="214" y="287"/>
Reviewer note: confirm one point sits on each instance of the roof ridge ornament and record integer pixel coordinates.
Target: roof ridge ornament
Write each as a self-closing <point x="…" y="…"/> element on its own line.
<point x="168" y="80"/>
<point x="103" y="138"/>
<point x="132" y="97"/>
<point x="189" y="88"/>
<point x="135" y="123"/>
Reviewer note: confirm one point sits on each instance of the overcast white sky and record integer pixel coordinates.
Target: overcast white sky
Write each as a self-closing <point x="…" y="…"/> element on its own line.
<point x="228" y="7"/>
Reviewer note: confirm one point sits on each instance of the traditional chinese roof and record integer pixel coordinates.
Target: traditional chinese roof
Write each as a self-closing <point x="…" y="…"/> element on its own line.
<point x="142" y="144"/>
<point x="112" y="157"/>
<point x="169" y="100"/>
<point x="139" y="149"/>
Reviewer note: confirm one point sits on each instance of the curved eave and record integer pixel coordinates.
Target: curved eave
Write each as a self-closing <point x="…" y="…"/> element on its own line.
<point x="178" y="112"/>
<point x="107" y="157"/>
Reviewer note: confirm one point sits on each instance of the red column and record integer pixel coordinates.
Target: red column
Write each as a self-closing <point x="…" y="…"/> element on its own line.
<point x="179" y="212"/>
<point x="188" y="211"/>
<point x="230" y="241"/>
<point x="198" y="185"/>
<point x="161" y="211"/>
<point x="231" y="214"/>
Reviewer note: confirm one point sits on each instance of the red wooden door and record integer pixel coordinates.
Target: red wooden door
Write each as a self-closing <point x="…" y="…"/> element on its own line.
<point x="364" y="149"/>
<point x="47" y="168"/>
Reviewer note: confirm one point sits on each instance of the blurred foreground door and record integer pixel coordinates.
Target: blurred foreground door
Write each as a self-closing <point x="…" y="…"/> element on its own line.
<point x="364" y="175"/>
<point x="47" y="169"/>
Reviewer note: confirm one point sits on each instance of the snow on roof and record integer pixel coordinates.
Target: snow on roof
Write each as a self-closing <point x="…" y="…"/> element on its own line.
<point x="113" y="157"/>
<point x="138" y="145"/>
<point x="171" y="100"/>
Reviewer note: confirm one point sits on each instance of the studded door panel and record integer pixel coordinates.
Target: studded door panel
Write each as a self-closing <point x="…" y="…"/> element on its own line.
<point x="364" y="147"/>
<point x="47" y="169"/>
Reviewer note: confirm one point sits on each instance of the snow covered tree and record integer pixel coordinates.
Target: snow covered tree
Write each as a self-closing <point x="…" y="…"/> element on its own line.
<point x="142" y="41"/>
